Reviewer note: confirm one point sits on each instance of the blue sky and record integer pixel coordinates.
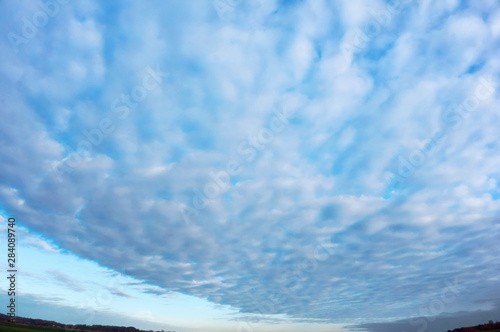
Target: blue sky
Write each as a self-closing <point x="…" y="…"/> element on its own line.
<point x="237" y="165"/>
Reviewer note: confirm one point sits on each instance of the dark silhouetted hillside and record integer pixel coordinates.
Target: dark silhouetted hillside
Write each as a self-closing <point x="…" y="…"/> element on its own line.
<point x="484" y="327"/>
<point x="79" y="327"/>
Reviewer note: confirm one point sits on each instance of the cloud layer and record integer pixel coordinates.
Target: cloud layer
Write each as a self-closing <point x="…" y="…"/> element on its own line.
<point x="327" y="161"/>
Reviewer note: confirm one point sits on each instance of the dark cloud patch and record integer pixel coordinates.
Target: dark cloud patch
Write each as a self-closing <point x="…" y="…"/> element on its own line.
<point x="439" y="323"/>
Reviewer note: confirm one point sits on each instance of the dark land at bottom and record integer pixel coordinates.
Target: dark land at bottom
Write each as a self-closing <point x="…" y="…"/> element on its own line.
<point x="8" y="327"/>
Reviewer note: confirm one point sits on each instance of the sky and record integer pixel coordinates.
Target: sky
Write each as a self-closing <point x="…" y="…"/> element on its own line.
<point x="252" y="166"/>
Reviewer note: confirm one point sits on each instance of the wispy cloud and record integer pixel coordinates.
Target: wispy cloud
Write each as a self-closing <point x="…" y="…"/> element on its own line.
<point x="118" y="292"/>
<point x="66" y="281"/>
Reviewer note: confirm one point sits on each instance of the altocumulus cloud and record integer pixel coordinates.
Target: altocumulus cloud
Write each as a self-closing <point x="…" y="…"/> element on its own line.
<point x="313" y="226"/>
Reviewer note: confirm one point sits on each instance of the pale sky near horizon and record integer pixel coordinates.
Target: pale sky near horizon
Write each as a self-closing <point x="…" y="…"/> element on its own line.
<point x="252" y="166"/>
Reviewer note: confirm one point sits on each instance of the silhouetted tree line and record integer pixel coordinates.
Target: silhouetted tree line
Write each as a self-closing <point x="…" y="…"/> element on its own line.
<point x="484" y="327"/>
<point x="79" y="327"/>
